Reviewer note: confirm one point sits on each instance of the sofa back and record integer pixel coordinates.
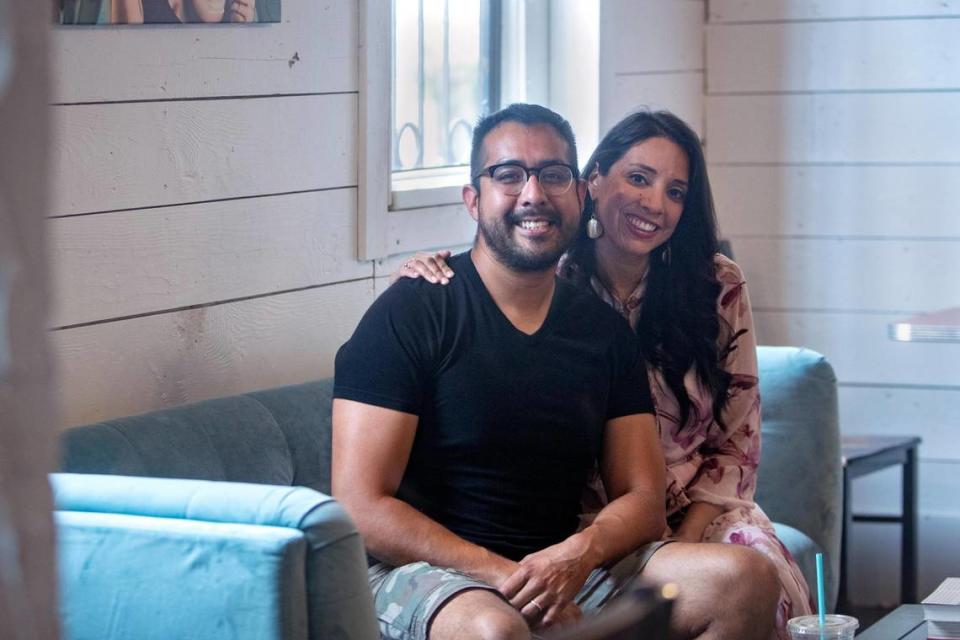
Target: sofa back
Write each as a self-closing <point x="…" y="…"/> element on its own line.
<point x="278" y="436"/>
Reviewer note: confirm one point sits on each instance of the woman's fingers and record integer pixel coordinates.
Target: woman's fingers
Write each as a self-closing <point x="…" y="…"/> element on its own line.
<point x="432" y="266"/>
<point x="429" y="265"/>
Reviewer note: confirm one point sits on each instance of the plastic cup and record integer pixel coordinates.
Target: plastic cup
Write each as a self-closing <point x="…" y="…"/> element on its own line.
<point x="836" y="627"/>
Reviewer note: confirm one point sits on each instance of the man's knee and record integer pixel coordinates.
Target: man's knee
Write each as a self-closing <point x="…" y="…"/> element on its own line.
<point x="478" y="615"/>
<point x="501" y="625"/>
<point x="748" y="575"/>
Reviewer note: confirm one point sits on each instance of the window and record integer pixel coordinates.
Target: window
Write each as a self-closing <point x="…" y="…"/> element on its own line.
<point x="429" y="70"/>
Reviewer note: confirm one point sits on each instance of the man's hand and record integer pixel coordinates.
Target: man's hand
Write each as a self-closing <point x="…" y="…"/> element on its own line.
<point x="544" y="585"/>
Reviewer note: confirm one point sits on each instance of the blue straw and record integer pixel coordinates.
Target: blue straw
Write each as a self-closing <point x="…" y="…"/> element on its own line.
<point x="821" y="599"/>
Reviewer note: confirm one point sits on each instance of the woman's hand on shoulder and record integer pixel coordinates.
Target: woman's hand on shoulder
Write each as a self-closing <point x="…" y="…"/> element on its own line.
<point x="429" y="265"/>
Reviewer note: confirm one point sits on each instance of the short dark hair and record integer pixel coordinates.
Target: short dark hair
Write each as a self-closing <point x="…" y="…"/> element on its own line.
<point x="526" y="114"/>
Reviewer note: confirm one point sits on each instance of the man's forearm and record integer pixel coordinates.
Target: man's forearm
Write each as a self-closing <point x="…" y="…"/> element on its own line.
<point x="396" y="533"/>
<point x="633" y="519"/>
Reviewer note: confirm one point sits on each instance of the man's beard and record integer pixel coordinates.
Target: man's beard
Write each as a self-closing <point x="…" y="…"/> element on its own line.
<point x="499" y="236"/>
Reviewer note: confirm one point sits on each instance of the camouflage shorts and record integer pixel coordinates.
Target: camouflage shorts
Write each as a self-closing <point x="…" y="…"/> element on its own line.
<point x="408" y="597"/>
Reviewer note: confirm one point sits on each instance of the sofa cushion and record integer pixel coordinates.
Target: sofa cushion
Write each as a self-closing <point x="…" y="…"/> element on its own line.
<point x="302" y="412"/>
<point x="233" y="439"/>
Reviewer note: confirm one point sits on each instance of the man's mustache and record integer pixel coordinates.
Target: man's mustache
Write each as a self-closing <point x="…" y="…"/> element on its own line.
<point x="541" y="213"/>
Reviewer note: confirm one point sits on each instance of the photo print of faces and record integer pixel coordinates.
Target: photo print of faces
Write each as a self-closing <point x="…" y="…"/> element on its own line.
<point x="168" y="11"/>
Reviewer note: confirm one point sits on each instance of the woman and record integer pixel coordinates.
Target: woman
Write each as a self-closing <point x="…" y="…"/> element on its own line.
<point x="648" y="247"/>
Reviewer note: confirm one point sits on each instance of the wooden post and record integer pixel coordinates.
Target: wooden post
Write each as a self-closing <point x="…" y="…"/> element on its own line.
<point x="28" y="594"/>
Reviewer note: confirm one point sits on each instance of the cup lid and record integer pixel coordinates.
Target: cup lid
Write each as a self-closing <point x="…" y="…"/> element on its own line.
<point x="832" y="622"/>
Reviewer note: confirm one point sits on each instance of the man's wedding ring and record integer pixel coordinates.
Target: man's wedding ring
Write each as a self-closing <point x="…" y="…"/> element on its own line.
<point x="538" y="606"/>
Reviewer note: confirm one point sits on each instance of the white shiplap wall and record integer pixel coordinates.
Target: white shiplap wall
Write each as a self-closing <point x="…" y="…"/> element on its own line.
<point x="835" y="159"/>
<point x="204" y="208"/>
<point x="651" y="55"/>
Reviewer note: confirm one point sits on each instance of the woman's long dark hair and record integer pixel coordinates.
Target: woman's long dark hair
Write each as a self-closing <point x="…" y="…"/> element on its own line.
<point x="679" y="327"/>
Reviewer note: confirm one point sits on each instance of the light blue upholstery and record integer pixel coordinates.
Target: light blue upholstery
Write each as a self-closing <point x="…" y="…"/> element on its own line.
<point x="232" y="553"/>
<point x="800" y="483"/>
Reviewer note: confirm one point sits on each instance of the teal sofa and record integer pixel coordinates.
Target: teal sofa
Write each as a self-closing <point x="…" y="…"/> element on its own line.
<point x="210" y="522"/>
<point x="162" y="542"/>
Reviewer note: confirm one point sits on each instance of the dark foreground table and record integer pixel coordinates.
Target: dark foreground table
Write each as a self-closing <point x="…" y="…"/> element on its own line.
<point x="907" y="622"/>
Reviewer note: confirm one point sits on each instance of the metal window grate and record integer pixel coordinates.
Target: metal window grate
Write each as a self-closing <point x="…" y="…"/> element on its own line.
<point x="446" y="68"/>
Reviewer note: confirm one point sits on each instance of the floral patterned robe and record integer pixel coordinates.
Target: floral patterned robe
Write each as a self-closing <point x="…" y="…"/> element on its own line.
<point x="715" y="465"/>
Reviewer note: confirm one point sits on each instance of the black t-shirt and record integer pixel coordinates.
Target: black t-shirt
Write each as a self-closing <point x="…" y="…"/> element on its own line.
<point x="510" y="425"/>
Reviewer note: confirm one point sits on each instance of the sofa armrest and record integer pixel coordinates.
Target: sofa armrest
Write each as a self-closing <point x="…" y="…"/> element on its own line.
<point x="332" y="567"/>
<point x="800" y="479"/>
<point x="124" y="576"/>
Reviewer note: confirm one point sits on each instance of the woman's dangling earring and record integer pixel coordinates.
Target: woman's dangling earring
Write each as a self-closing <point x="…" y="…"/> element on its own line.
<point x="594" y="228"/>
<point x="665" y="255"/>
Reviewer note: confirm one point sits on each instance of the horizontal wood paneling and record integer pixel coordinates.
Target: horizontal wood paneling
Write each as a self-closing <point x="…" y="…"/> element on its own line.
<point x="858" y="347"/>
<point x="931" y="413"/>
<point x="653" y="36"/>
<point x="901" y="201"/>
<point x="651" y="55"/>
<point x="771" y="10"/>
<point x="844" y="274"/>
<point x="430" y="228"/>
<point x="132" y="262"/>
<point x="141" y="364"/>
<point x="314" y="50"/>
<point x="819" y="128"/>
<point x="681" y="93"/>
<point x="133" y="155"/>
<point x="758" y="58"/>
<point x="880" y="492"/>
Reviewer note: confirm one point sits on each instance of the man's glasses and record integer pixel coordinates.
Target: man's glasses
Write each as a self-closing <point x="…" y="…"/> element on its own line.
<point x="509" y="178"/>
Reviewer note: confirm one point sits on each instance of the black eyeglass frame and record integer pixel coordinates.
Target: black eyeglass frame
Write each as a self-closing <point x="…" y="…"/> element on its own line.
<point x="489" y="171"/>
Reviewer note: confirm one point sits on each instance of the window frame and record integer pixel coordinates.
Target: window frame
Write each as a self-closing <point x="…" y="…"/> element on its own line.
<point x="397" y="221"/>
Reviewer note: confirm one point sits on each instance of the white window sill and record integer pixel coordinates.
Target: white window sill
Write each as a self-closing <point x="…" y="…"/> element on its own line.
<point x="428" y="187"/>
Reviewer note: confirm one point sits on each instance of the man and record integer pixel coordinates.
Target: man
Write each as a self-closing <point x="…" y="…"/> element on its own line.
<point x="468" y="417"/>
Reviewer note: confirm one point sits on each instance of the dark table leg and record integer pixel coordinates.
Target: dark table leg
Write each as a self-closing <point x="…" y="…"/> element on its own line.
<point x="908" y="553"/>
<point x="843" y="605"/>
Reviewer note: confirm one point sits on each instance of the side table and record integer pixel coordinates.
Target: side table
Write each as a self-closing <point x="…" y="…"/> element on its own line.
<point x="863" y="455"/>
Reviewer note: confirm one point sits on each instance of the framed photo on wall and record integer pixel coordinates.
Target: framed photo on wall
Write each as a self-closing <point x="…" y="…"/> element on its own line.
<point x="168" y="11"/>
